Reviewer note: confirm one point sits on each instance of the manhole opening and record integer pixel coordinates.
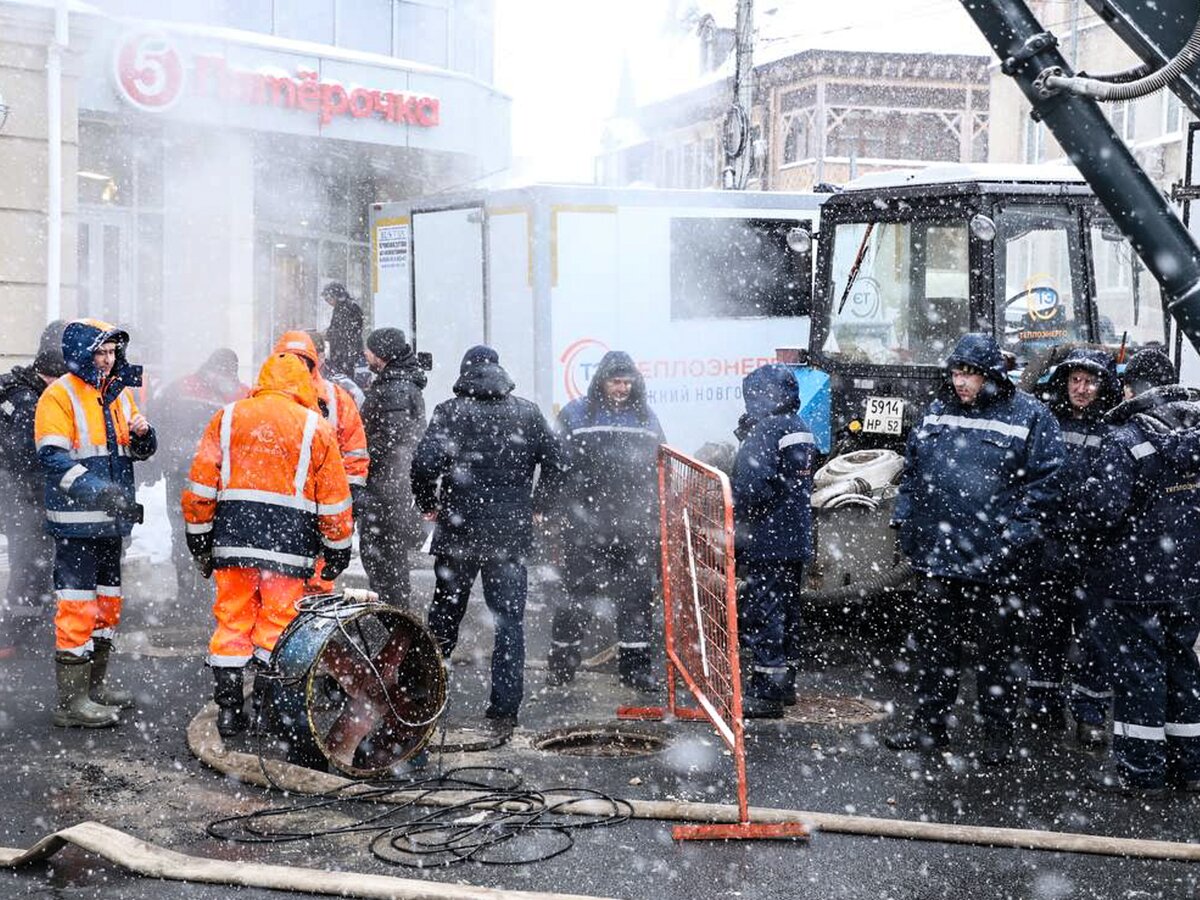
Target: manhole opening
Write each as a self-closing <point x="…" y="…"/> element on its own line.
<point x="834" y="709"/>
<point x="604" y="742"/>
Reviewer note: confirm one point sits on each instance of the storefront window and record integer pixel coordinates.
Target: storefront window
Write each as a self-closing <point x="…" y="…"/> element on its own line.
<point x="305" y="20"/>
<point x="365" y="25"/>
<point x="423" y="31"/>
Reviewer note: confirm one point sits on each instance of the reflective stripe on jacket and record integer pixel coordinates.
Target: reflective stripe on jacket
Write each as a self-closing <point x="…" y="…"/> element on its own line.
<point x="267" y="479"/>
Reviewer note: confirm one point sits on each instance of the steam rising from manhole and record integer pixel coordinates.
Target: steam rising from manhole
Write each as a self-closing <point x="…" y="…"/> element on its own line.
<point x="834" y="709"/>
<point x="590" y="740"/>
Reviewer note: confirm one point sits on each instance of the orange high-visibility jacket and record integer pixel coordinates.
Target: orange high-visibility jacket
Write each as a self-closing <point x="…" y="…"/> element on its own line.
<point x="337" y="405"/>
<point x="267" y="479"/>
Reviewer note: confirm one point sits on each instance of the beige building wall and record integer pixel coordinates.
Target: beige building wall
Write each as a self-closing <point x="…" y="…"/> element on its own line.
<point x="25" y="34"/>
<point x="1154" y="127"/>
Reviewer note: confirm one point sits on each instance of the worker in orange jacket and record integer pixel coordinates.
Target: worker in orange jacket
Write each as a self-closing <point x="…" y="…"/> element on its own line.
<point x="88" y="432"/>
<point x="341" y="412"/>
<point x="266" y="496"/>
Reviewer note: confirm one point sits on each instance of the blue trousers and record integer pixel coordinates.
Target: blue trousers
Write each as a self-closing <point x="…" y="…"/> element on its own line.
<point x="1156" y="689"/>
<point x="620" y="573"/>
<point x="769" y="624"/>
<point x="505" y="584"/>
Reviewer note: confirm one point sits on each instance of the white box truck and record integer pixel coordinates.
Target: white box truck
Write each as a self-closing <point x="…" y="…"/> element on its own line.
<point x="699" y="287"/>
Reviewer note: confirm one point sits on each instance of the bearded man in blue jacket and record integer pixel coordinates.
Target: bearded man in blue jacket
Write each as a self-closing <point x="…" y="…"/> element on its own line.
<point x="978" y="484"/>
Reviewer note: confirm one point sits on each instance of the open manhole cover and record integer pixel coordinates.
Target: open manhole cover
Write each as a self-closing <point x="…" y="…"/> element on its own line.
<point x="834" y="709"/>
<point x="590" y="740"/>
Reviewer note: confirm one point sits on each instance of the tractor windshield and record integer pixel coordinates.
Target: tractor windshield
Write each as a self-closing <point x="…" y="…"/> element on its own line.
<point x="900" y="292"/>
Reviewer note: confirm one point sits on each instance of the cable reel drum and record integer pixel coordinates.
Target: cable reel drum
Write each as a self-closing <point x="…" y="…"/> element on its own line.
<point x="357" y="686"/>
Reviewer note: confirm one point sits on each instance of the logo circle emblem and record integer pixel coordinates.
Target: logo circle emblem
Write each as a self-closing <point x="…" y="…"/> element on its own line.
<point x="148" y="72"/>
<point x="574" y="382"/>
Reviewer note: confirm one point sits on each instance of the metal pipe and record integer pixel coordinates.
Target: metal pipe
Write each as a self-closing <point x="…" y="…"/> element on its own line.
<point x="1136" y="205"/>
<point x="54" y="168"/>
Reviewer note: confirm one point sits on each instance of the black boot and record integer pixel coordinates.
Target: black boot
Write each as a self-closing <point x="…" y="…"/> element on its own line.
<point x="755" y="707"/>
<point x="229" y="694"/>
<point x="633" y="664"/>
<point x="789" y="686"/>
<point x="562" y="663"/>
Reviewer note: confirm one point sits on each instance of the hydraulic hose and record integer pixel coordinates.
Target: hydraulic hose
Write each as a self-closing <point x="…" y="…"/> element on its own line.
<point x="1107" y="90"/>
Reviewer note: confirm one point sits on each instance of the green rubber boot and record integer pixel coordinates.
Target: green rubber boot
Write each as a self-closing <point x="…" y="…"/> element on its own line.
<point x="106" y="696"/>
<point x="75" y="708"/>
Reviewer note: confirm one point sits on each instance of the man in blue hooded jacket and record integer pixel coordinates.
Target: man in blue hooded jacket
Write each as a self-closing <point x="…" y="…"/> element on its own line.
<point x="474" y="472"/>
<point x="772" y="512"/>
<point x="1142" y="500"/>
<point x="979" y="480"/>
<point x="609" y="500"/>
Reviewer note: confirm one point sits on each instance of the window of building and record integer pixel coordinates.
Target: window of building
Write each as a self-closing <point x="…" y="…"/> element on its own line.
<point x="668" y="169"/>
<point x="1123" y="117"/>
<point x="730" y="268"/>
<point x="1035" y="141"/>
<point x="249" y="15"/>
<point x="1172" y="113"/>
<point x="795" y="139"/>
<point x="688" y="166"/>
<point x="757" y="150"/>
<point x="892" y="134"/>
<point x="305" y="20"/>
<point x="365" y="25"/>
<point x="708" y="163"/>
<point x="422" y="31"/>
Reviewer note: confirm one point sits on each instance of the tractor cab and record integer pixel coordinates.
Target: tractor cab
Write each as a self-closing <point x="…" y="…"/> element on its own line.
<point x="910" y="261"/>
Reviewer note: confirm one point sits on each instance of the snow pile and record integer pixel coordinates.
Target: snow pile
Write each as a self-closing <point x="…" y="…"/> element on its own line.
<point x="152" y="539"/>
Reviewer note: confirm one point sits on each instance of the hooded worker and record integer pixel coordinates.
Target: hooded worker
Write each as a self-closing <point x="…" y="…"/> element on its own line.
<point x="266" y="496"/>
<point x="340" y="410"/>
<point x="89" y="431"/>
<point x="979" y="480"/>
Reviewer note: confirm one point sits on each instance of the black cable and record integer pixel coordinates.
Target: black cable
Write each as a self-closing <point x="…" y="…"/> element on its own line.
<point x="506" y="824"/>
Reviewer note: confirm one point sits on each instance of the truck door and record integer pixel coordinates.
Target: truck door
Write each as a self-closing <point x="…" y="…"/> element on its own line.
<point x="449" y="297"/>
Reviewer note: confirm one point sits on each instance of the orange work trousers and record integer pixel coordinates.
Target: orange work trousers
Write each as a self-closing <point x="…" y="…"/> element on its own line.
<point x="253" y="606"/>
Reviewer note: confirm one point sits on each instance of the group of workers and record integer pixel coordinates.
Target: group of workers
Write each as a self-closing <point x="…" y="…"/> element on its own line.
<point x="1034" y="523"/>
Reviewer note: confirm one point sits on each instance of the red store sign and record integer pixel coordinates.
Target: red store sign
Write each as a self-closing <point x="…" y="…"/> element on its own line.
<point x="150" y="75"/>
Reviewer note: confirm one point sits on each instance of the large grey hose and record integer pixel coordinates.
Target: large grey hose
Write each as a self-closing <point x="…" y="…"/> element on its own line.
<point x="1131" y="90"/>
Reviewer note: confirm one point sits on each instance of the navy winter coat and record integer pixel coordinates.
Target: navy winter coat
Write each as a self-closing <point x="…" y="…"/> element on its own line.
<point x="19" y="393"/>
<point x="393" y="414"/>
<point x="772" y="474"/>
<point x="486" y="446"/>
<point x="610" y="479"/>
<point x="1143" y="500"/>
<point x="979" y="481"/>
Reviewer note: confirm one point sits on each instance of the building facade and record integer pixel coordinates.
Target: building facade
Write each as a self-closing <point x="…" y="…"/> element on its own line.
<point x="1154" y="127"/>
<point x="218" y="162"/>
<point x="817" y="116"/>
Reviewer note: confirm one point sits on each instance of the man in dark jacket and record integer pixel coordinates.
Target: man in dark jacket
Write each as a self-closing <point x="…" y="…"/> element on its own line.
<point x="486" y="447"/>
<point x="1143" y="500"/>
<point x="30" y="549"/>
<point x="182" y="410"/>
<point x="772" y="490"/>
<point x="609" y="502"/>
<point x="1081" y="391"/>
<point x="393" y="415"/>
<point x="979" y="478"/>
<point x="345" y="334"/>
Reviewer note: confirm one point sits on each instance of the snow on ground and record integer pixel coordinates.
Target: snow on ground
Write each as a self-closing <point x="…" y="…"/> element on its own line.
<point x="152" y="539"/>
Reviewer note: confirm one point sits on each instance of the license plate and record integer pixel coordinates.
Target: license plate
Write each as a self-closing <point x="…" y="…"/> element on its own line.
<point x="884" y="415"/>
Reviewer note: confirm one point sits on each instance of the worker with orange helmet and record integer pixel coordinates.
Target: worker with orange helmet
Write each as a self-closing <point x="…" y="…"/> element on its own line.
<point x="266" y="496"/>
<point x="340" y="410"/>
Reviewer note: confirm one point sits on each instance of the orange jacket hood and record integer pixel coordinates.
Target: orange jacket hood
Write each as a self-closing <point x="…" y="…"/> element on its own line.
<point x="284" y="373"/>
<point x="300" y="344"/>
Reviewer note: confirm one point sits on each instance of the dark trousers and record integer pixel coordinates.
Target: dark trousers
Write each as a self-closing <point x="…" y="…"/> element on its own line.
<point x="1049" y="614"/>
<point x="622" y="574"/>
<point x="504" y="587"/>
<point x="769" y="624"/>
<point x="385" y="558"/>
<point x="30" y="553"/>
<point x="1156" y="689"/>
<point x="952" y="611"/>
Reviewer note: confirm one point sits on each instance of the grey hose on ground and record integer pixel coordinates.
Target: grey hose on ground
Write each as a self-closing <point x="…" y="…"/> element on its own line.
<point x="159" y="862"/>
<point x="206" y="744"/>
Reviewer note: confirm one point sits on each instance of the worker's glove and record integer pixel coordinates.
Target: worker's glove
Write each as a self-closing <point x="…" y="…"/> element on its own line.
<point x="201" y="547"/>
<point x="336" y="562"/>
<point x="116" y="503"/>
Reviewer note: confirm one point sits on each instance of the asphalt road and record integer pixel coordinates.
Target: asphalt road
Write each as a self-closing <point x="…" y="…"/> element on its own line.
<point x="141" y="778"/>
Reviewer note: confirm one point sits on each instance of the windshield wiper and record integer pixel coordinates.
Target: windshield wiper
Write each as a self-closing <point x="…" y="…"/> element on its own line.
<point x="858" y="261"/>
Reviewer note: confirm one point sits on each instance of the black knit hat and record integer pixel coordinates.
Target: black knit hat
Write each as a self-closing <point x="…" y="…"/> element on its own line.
<point x="479" y="355"/>
<point x="50" y="362"/>
<point x="388" y="344"/>
<point x="1149" y="368"/>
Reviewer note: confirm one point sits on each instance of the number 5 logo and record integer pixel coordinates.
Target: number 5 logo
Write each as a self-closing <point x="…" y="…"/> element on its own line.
<point x="148" y="72"/>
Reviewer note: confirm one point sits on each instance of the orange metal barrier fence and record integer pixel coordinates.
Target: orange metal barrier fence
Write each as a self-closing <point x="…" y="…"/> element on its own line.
<point x="700" y="623"/>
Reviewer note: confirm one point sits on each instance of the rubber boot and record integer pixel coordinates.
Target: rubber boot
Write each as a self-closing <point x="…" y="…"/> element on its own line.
<point x="75" y="708"/>
<point x="633" y="665"/>
<point x="229" y="695"/>
<point x="106" y="696"/>
<point x="561" y="664"/>
<point x="259" y="703"/>
<point x="788" y="695"/>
